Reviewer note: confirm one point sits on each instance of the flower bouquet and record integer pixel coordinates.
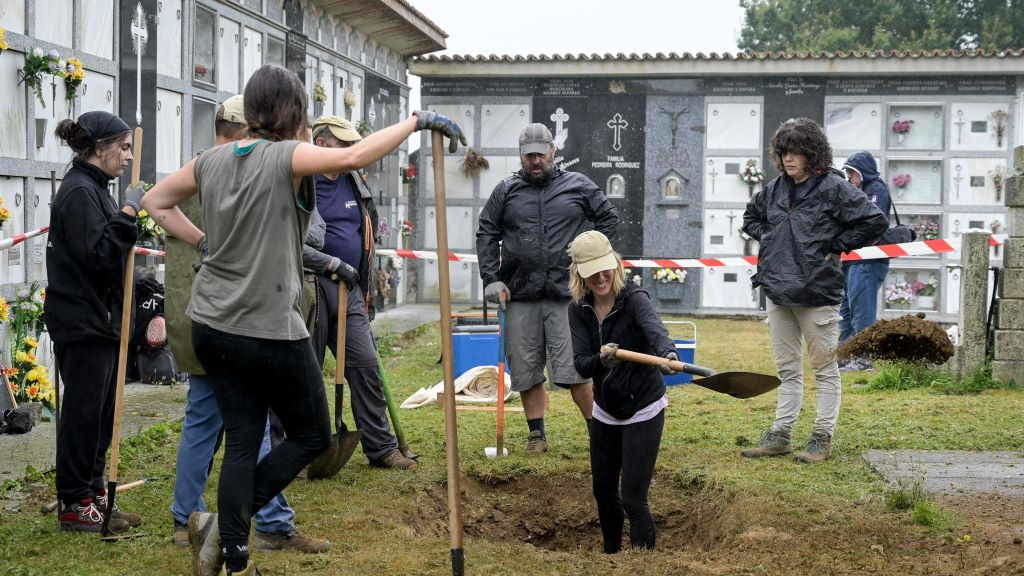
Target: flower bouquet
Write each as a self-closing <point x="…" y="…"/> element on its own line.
<point x="924" y="293"/>
<point x="5" y="214"/>
<point x="38" y="64"/>
<point x="29" y="381"/>
<point x="669" y="275"/>
<point x="898" y="295"/>
<point x="3" y="41"/>
<point x="901" y="180"/>
<point x="751" y="175"/>
<point x="999" y="118"/>
<point x="901" y="128"/>
<point x="407" y="228"/>
<point x="926" y="229"/>
<point x="73" y="74"/>
<point x="319" y="94"/>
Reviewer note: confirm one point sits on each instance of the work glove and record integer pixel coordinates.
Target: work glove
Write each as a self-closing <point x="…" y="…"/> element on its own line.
<point x="608" y="358"/>
<point x="674" y="358"/>
<point x="203" y="251"/>
<point x="497" y="292"/>
<point x="428" y="120"/>
<point x="340" y="271"/>
<point x="133" y="197"/>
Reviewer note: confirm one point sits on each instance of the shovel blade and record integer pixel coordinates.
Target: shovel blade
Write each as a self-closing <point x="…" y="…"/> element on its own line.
<point x="739" y="384"/>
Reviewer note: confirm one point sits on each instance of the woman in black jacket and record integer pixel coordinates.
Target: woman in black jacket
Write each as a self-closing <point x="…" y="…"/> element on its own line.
<point x="629" y="399"/>
<point x="88" y="244"/>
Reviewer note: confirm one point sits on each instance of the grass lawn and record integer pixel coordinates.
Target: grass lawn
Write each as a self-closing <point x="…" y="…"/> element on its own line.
<point x="716" y="513"/>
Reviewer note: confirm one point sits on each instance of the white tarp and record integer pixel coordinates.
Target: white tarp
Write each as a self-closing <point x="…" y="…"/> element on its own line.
<point x="478" y="385"/>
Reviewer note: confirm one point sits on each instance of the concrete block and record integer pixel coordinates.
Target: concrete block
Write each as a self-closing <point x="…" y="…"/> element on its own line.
<point x="1013" y="189"/>
<point x="1011" y="314"/>
<point x="1013" y="252"/>
<point x="1015" y="219"/>
<point x="1018" y="159"/>
<point x="1008" y="371"/>
<point x="1013" y="283"/>
<point x="1009" y="345"/>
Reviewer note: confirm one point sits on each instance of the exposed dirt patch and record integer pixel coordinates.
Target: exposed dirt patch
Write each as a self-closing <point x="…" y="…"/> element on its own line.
<point x="908" y="338"/>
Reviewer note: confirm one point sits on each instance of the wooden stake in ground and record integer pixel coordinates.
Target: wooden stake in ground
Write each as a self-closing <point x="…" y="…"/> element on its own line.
<point x="122" y="355"/>
<point x="450" y="422"/>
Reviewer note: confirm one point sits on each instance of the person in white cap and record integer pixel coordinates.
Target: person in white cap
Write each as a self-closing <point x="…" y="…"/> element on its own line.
<point x="629" y="399"/>
<point x="524" y="229"/>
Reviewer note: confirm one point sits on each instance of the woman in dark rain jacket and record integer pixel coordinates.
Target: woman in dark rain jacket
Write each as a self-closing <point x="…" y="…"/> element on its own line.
<point x="629" y="399"/>
<point x="88" y="244"/>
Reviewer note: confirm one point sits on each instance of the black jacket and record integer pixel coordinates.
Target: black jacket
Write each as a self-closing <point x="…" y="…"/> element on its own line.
<point x="86" y="251"/>
<point x="633" y="325"/>
<point x="798" y="261"/>
<point x="534" y="227"/>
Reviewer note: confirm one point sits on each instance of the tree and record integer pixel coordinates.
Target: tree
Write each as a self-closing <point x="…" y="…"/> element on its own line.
<point x="824" y="25"/>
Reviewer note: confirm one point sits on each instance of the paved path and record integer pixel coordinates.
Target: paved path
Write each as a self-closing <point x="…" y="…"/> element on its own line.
<point x="952" y="472"/>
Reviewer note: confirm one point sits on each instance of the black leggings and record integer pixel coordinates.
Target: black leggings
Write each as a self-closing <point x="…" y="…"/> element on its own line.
<point x="630" y="452"/>
<point x="250" y="376"/>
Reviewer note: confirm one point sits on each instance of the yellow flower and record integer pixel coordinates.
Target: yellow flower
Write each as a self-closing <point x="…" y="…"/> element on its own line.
<point x="31" y="342"/>
<point x="5" y="310"/>
<point x="5" y="214"/>
<point x="23" y="357"/>
<point x="142" y="214"/>
<point x="3" y="40"/>
<point x="37" y="374"/>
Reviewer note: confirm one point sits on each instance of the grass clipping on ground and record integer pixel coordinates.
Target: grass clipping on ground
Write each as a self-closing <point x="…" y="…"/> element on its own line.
<point x="908" y="338"/>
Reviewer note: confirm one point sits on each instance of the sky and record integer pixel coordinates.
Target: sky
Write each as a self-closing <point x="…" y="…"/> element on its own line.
<point x="587" y="26"/>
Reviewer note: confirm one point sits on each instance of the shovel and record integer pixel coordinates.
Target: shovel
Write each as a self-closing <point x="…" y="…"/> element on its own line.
<point x="735" y="384"/>
<point x="337" y="455"/>
<point x="499" y="449"/>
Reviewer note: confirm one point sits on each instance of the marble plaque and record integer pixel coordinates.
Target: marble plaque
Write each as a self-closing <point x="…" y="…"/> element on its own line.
<point x="326" y="79"/>
<point x="54" y="22"/>
<point x="203" y="119"/>
<point x="959" y="222"/>
<point x="12" y="261"/>
<point x="252" y="55"/>
<point x="464" y="116"/>
<point x="977" y="181"/>
<point x="310" y="76"/>
<point x="501" y="167"/>
<point x="168" y="31"/>
<point x="854" y="125"/>
<point x="98" y="32"/>
<point x="722" y="232"/>
<point x="500" y="124"/>
<point x="168" y="137"/>
<point x="911" y="289"/>
<point x="461" y="228"/>
<point x="728" y="288"/>
<point x="456" y="185"/>
<point x="915" y="127"/>
<point x="228" y="43"/>
<point x="953" y="275"/>
<point x="915" y="181"/>
<point x="722" y="182"/>
<point x="12" y="108"/>
<point x="733" y="126"/>
<point x="275" y="50"/>
<point x="459" y="273"/>
<point x="40" y="217"/>
<point x="12" y="16"/>
<point x="52" y="149"/>
<point x="979" y="126"/>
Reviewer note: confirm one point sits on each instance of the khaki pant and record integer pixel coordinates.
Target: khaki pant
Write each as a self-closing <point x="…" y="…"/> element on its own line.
<point x="819" y="327"/>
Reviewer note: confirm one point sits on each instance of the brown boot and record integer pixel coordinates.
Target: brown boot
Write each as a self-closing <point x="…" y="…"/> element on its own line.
<point x="819" y="449"/>
<point x="394" y="459"/>
<point x="292" y="541"/>
<point x="773" y="443"/>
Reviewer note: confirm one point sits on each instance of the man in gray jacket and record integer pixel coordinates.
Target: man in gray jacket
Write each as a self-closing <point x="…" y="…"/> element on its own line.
<point x="524" y="232"/>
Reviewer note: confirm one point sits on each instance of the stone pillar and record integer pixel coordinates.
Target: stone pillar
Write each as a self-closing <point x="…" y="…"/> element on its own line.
<point x="1008" y="363"/>
<point x="973" y="299"/>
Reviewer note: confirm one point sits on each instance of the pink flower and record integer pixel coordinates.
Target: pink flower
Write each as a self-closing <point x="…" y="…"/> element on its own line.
<point x="902" y="126"/>
<point x="901" y="180"/>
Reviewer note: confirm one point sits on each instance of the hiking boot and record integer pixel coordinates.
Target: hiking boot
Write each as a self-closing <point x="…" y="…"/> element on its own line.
<point x="394" y="459"/>
<point x="773" y="443"/>
<point x="335" y="457"/>
<point x="250" y="570"/>
<point x="536" y="442"/>
<point x="819" y="449"/>
<point x="291" y="541"/>
<point x="85" y="516"/>
<point x="131" y="518"/>
<point x="204" y="537"/>
<point x="180" y="536"/>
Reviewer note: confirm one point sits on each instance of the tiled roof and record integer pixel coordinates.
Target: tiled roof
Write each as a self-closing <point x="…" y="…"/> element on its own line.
<point x="725" y="56"/>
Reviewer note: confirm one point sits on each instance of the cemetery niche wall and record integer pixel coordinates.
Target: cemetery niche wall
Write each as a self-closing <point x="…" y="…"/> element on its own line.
<point x="680" y="154"/>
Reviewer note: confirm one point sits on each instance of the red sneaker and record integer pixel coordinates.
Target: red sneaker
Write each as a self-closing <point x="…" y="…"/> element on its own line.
<point x="85" y="516"/>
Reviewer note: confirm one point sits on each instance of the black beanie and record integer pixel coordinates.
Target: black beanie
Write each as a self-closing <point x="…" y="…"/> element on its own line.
<point x="102" y="125"/>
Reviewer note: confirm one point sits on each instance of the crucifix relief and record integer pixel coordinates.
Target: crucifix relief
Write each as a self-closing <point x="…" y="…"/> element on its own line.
<point x="674" y="116"/>
<point x="140" y="36"/>
<point x="960" y="126"/>
<point x="713" y="173"/>
<point x="561" y="132"/>
<point x="617" y="124"/>
<point x="958" y="178"/>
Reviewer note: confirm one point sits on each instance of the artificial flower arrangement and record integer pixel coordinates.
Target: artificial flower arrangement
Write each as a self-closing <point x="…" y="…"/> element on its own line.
<point x="149" y="231"/>
<point x="349" y="99"/>
<point x="319" y="94"/>
<point x="926" y="229"/>
<point x="3" y="41"/>
<point x="5" y="214"/>
<point x="902" y="126"/>
<point x="999" y="118"/>
<point x="409" y="174"/>
<point x="898" y="294"/>
<point x="37" y="65"/>
<point x="74" y="75"/>
<point x="667" y="275"/>
<point x="901" y="180"/>
<point x="407" y="228"/>
<point x="751" y="174"/>
<point x="927" y="288"/>
<point x="28" y="380"/>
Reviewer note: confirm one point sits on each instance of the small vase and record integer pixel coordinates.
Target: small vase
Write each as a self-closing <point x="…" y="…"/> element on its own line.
<point x="900" y="138"/>
<point x="898" y="305"/>
<point x="925" y="302"/>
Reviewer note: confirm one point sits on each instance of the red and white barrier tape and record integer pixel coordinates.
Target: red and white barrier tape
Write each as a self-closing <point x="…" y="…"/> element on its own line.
<point x="19" y="238"/>
<point x="923" y="248"/>
<point x="149" y="251"/>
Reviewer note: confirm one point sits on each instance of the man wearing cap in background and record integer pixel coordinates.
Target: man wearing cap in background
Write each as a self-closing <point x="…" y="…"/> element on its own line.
<point x="524" y="232"/>
<point x="200" y="432"/>
<point x="345" y="203"/>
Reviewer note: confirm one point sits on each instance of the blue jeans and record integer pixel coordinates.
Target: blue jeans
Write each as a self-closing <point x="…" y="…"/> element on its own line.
<point x="859" y="308"/>
<point x="199" y="434"/>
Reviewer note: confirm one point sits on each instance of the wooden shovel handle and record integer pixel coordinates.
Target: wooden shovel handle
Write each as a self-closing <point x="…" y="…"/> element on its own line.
<point x="339" y="368"/>
<point x="650" y="360"/>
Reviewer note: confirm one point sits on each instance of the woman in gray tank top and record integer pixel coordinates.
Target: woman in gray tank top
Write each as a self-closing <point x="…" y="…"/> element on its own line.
<point x="247" y="326"/>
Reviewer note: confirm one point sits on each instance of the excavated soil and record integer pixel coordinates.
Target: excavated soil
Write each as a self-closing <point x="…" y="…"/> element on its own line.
<point x="908" y="338"/>
<point x="707" y="530"/>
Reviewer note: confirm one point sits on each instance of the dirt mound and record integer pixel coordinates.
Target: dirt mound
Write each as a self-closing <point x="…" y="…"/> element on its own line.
<point x="908" y="338"/>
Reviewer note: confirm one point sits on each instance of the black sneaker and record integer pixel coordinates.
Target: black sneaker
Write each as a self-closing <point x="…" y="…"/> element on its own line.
<point x="85" y="516"/>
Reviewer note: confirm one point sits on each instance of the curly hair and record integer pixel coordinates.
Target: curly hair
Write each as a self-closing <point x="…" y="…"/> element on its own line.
<point x="802" y="136"/>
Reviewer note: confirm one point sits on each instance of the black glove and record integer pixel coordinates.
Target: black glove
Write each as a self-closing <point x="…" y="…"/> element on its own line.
<point x="497" y="292"/>
<point x="340" y="271"/>
<point x="608" y="355"/>
<point x="674" y="358"/>
<point x="133" y="197"/>
<point x="429" y="120"/>
<point x="203" y="250"/>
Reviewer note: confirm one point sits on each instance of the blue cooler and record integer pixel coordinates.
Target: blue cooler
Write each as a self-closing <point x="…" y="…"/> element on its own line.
<point x="474" y="348"/>
<point x="686" y="349"/>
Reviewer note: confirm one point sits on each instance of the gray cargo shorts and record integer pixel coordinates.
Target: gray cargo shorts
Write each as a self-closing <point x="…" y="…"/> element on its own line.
<point x="538" y="336"/>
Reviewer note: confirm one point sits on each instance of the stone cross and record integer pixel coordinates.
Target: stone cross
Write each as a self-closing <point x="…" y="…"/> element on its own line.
<point x="957" y="179"/>
<point x="559" y="118"/>
<point x="617" y="124"/>
<point x="959" y="126"/>
<point x="140" y="36"/>
<point x="732" y="216"/>
<point x="713" y="173"/>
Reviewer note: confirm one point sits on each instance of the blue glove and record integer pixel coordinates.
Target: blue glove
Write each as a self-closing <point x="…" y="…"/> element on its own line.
<point x="428" y="120"/>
